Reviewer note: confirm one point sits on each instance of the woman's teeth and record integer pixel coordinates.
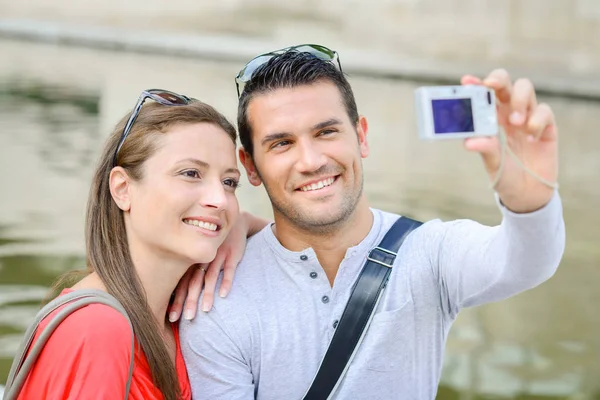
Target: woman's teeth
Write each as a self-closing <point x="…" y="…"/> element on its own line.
<point x="201" y="224"/>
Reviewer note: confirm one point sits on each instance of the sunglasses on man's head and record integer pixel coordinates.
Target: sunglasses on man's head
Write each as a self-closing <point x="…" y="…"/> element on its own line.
<point x="161" y="96"/>
<point x="250" y="68"/>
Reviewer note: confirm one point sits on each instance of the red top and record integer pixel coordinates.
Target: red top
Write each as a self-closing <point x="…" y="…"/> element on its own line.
<point x="87" y="357"/>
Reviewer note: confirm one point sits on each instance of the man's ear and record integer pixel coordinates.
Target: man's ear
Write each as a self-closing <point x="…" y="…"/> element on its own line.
<point x="119" y="188"/>
<point x="248" y="163"/>
<point x="362" y="128"/>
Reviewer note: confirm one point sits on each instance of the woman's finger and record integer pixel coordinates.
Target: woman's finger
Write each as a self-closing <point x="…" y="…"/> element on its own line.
<point x="194" y="290"/>
<point x="180" y="293"/>
<point x="210" y="283"/>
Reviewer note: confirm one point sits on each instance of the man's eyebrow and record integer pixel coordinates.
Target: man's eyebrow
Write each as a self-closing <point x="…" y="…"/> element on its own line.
<point x="325" y="124"/>
<point x="284" y="135"/>
<point x="204" y="164"/>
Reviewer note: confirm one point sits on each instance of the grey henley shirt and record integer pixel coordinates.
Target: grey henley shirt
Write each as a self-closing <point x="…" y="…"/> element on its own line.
<point x="267" y="338"/>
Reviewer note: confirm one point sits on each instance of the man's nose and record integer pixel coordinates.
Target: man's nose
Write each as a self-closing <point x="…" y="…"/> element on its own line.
<point x="310" y="158"/>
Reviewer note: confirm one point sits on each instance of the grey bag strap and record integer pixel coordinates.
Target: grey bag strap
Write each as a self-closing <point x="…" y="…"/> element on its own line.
<point x="25" y="358"/>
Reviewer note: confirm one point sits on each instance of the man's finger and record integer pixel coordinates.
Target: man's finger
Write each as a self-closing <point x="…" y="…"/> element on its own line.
<point x="180" y="293"/>
<point x="542" y="123"/>
<point x="470" y="80"/>
<point x="488" y="148"/>
<point x="523" y="100"/>
<point x="194" y="290"/>
<point x="499" y="80"/>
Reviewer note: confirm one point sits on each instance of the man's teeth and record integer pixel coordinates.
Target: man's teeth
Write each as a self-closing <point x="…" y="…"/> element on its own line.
<point x="206" y="225"/>
<point x="318" y="185"/>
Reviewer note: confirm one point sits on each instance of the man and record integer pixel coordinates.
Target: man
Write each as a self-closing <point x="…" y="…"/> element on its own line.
<point x="304" y="140"/>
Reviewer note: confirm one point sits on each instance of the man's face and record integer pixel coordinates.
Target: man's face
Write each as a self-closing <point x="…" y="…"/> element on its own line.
<point x="308" y="155"/>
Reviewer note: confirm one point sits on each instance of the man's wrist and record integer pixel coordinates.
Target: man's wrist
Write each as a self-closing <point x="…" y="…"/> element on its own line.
<point x="523" y="203"/>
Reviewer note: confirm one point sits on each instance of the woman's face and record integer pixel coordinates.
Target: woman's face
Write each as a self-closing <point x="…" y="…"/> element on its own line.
<point x="185" y="203"/>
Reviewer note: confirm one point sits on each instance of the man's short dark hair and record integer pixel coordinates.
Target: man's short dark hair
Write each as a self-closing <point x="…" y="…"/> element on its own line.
<point x="288" y="70"/>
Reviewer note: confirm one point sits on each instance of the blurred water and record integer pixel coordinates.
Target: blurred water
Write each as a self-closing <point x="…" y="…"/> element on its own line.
<point x="58" y="104"/>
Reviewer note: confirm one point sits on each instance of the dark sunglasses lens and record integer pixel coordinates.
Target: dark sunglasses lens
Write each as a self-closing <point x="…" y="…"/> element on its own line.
<point x="252" y="66"/>
<point x="319" y="51"/>
<point x="169" y="97"/>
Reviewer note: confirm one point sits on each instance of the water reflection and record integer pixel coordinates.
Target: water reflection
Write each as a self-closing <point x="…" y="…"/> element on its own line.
<point x="544" y="344"/>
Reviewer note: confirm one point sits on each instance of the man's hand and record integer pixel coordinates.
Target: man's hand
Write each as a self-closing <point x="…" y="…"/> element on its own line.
<point x="531" y="134"/>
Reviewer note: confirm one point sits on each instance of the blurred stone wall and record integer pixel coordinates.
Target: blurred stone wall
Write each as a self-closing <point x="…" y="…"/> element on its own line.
<point x="556" y="37"/>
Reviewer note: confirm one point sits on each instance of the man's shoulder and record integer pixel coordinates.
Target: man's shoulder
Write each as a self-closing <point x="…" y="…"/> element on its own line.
<point x="389" y="218"/>
<point x="259" y="241"/>
<point x="259" y="253"/>
<point x="251" y="275"/>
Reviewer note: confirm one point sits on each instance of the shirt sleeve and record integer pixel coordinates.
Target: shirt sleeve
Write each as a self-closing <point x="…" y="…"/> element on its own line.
<point x="87" y="357"/>
<point x="218" y="367"/>
<point x="479" y="264"/>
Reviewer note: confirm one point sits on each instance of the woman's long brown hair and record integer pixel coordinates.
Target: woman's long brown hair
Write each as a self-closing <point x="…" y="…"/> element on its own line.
<point x="106" y="239"/>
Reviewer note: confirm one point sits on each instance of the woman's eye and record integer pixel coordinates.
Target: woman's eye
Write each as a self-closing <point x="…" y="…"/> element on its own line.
<point x="191" y="173"/>
<point x="231" y="183"/>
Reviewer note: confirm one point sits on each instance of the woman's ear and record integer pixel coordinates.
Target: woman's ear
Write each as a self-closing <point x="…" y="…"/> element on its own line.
<point x="119" y="188"/>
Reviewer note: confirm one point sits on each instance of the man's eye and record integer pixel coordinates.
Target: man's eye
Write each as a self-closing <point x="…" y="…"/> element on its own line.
<point x="281" y="143"/>
<point x="327" y="132"/>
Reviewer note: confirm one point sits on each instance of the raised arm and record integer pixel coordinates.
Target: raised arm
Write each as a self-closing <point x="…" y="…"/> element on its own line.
<point x="477" y="264"/>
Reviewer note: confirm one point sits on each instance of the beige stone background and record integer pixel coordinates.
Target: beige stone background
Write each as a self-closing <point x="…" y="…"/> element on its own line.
<point x="544" y="344"/>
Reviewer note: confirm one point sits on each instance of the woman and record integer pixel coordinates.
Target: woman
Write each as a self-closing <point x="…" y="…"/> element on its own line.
<point x="162" y="200"/>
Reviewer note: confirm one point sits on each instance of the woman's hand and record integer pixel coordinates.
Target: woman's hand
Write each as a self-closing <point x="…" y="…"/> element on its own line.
<point x="205" y="276"/>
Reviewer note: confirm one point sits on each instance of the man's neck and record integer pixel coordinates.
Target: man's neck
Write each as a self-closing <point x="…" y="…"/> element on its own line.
<point x="330" y="246"/>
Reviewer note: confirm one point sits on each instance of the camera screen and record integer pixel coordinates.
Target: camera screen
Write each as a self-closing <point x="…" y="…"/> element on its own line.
<point x="452" y="116"/>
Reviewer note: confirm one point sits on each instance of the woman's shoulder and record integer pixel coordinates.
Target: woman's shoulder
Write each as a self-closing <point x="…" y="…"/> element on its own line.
<point x="95" y="321"/>
<point x="87" y="356"/>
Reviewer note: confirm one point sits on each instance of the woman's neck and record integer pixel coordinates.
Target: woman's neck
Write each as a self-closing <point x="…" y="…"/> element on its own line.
<point x="159" y="277"/>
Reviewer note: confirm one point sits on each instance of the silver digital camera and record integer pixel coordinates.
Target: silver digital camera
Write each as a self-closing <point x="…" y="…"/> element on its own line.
<point x="450" y="112"/>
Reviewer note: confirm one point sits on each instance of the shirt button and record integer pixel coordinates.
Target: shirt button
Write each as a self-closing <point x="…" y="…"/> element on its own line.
<point x="335" y="323"/>
<point x="325" y="299"/>
<point x="304" y="257"/>
<point x="313" y="275"/>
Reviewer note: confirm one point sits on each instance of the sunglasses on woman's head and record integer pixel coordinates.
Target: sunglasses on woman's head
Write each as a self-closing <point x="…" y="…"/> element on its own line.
<point x="250" y="68"/>
<point x="161" y="96"/>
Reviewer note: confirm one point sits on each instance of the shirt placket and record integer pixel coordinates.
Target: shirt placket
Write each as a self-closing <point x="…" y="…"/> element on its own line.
<point x="341" y="292"/>
<point x="320" y="291"/>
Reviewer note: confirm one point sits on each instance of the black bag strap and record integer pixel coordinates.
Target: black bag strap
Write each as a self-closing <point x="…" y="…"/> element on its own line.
<point x="359" y="310"/>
